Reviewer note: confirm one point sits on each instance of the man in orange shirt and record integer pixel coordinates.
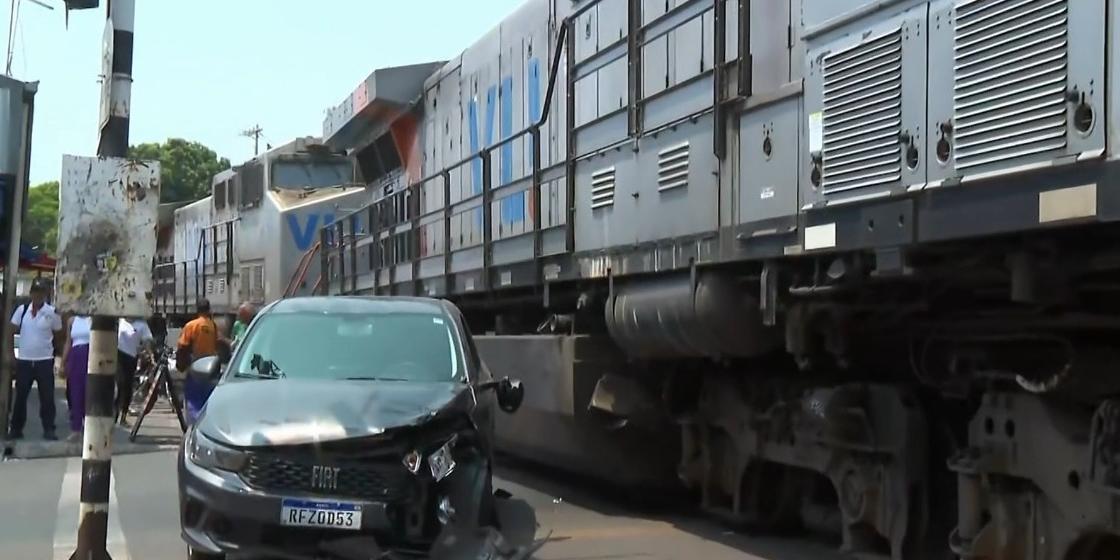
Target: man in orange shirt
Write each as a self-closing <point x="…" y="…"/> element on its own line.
<point x="199" y="339"/>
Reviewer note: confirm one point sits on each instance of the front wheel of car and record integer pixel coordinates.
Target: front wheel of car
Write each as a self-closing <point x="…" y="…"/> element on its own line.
<point x="193" y="554"/>
<point x="488" y="512"/>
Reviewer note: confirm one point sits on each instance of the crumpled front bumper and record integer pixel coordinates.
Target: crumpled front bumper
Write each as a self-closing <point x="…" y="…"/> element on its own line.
<point x="220" y="514"/>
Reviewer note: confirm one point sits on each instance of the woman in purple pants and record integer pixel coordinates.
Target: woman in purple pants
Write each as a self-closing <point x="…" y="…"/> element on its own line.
<point x="75" y="358"/>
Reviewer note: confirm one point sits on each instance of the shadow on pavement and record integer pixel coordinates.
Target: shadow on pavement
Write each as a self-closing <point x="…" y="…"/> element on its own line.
<point x="160" y="441"/>
<point x="159" y="431"/>
<point x="677" y="510"/>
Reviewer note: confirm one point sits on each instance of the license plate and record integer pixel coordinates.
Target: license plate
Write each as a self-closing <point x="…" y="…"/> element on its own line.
<point x="314" y="513"/>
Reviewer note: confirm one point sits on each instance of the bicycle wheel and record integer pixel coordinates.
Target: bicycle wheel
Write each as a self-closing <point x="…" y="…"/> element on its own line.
<point x="173" y="398"/>
<point x="149" y="402"/>
<point x="142" y="384"/>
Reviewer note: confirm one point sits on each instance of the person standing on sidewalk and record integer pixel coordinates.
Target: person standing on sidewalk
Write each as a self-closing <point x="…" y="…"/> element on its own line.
<point x="199" y="339"/>
<point x="245" y="315"/>
<point x="75" y="360"/>
<point x="38" y="323"/>
<point x="130" y="336"/>
<point x="158" y="325"/>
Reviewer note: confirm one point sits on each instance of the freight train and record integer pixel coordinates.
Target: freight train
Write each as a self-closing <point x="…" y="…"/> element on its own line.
<point x="843" y="265"/>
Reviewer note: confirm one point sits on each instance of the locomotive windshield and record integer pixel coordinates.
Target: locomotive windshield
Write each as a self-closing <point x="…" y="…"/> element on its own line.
<point x="306" y="173"/>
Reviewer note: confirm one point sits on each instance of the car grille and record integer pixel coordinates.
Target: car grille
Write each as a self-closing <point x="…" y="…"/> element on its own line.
<point x="380" y="481"/>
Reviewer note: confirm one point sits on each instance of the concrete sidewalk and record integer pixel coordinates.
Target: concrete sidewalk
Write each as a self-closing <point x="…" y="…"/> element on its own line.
<point x="159" y="431"/>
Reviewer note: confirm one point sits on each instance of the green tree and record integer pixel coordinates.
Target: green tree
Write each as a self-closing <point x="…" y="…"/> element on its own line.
<point x="40" y="229"/>
<point x="186" y="168"/>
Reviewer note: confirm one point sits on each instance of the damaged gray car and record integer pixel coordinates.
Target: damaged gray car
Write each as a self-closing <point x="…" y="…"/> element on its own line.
<point x="346" y="428"/>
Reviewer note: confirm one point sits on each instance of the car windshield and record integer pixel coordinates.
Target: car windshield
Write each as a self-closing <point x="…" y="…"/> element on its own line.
<point x="412" y="346"/>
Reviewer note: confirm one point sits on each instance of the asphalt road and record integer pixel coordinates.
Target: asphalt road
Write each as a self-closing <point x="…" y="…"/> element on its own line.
<point x="39" y="500"/>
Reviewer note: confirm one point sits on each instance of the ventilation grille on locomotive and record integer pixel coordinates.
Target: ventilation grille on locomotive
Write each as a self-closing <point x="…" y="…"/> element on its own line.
<point x="1009" y="86"/>
<point x="602" y="188"/>
<point x="862" y="114"/>
<point x="672" y="167"/>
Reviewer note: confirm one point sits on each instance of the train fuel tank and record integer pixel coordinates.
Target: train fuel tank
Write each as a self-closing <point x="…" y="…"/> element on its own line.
<point x="679" y="317"/>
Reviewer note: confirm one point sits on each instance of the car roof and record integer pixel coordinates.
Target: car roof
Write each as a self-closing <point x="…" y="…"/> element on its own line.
<point x="361" y="305"/>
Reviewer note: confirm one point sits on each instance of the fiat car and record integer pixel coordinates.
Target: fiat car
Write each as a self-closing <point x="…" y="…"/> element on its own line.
<point x="342" y="423"/>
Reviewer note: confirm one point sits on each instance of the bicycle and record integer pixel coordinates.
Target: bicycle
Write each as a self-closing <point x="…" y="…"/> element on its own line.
<point x="152" y="385"/>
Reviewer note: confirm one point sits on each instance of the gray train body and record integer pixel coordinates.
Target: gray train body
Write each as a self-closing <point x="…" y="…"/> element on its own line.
<point x="846" y="265"/>
<point x="246" y="241"/>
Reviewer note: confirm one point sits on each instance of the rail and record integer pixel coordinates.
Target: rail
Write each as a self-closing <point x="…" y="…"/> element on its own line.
<point x="172" y="280"/>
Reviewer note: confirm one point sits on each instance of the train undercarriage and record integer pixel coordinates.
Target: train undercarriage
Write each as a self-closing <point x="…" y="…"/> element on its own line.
<point x="957" y="403"/>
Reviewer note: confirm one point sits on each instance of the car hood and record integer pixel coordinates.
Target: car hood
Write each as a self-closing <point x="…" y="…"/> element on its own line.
<point x="293" y="412"/>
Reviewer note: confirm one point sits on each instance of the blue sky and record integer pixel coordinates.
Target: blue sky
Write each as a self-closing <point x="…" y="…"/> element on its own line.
<point x="207" y="69"/>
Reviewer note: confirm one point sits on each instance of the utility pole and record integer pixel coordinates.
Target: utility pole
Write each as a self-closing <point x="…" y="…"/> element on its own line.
<point x="100" y="274"/>
<point x="254" y="133"/>
<point x="116" y="87"/>
<point x="97" y="444"/>
<point x="15" y="159"/>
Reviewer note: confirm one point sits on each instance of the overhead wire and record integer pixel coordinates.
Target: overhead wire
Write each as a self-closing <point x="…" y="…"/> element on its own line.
<point x="13" y="16"/>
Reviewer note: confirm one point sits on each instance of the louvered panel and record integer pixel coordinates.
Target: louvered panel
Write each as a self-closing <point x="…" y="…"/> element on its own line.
<point x="602" y="188"/>
<point x="672" y="167"/>
<point x="1010" y="73"/>
<point x="862" y="114"/>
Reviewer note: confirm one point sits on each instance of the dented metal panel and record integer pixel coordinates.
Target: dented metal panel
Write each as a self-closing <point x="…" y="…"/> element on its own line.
<point x="108" y="208"/>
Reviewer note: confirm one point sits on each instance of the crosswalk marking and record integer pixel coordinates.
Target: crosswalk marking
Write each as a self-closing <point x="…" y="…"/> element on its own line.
<point x="66" y="521"/>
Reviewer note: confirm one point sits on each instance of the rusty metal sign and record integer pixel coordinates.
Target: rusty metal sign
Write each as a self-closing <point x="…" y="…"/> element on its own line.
<point x="108" y="208"/>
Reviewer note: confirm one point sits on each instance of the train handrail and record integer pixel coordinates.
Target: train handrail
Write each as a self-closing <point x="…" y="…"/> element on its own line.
<point x="301" y="271"/>
<point x="483" y="156"/>
<point x="484" y="153"/>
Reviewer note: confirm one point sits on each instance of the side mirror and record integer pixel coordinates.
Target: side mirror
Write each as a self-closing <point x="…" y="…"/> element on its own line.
<point x="510" y="394"/>
<point x="206" y="370"/>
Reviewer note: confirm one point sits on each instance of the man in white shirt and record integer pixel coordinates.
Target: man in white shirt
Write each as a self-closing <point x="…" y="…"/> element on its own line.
<point x="130" y="335"/>
<point x="37" y="322"/>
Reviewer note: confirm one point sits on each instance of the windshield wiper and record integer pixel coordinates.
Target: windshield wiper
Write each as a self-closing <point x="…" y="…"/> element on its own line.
<point x="254" y="375"/>
<point x="376" y="379"/>
<point x="267" y="369"/>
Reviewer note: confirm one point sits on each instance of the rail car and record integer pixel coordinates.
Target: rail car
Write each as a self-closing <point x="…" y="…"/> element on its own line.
<point x="246" y="242"/>
<point x="846" y="265"/>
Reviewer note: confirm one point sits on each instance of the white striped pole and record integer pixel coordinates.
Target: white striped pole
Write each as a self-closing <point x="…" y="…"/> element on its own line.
<point x="97" y="444"/>
<point x="114" y="129"/>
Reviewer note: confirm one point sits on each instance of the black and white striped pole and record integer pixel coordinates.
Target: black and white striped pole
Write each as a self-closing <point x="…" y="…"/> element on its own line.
<point x="116" y="89"/>
<point x="97" y="444"/>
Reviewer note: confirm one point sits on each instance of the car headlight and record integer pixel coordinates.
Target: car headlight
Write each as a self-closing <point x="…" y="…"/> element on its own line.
<point x="441" y="462"/>
<point x="210" y="455"/>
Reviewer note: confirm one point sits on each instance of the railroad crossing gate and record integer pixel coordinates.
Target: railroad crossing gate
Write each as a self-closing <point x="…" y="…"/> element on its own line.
<point x="108" y="209"/>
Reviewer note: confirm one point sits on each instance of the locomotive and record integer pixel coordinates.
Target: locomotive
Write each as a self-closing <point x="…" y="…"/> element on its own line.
<point x="244" y="242"/>
<point x="844" y="265"/>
